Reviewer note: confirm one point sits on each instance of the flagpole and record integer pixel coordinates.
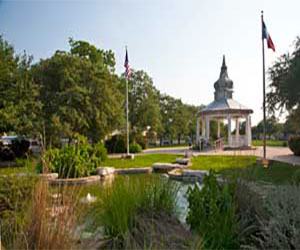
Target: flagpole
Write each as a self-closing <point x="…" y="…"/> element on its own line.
<point x="127" y="112"/>
<point x="264" y="88"/>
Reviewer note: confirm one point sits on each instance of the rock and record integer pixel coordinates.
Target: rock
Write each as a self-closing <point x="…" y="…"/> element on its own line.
<point x="49" y="176"/>
<point x="104" y="171"/>
<point x="166" y="167"/>
<point x="75" y="181"/>
<point x="146" y="170"/>
<point x="188" y="154"/>
<point x="183" y="161"/>
<point x="198" y="174"/>
<point x="175" y="174"/>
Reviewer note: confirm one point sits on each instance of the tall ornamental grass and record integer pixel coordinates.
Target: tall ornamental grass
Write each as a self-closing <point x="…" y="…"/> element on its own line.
<point x="121" y="204"/>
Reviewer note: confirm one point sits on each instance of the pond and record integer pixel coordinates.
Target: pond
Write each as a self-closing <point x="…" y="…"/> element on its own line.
<point x="91" y="192"/>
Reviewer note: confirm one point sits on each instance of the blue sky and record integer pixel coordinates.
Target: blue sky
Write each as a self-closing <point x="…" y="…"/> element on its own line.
<point x="180" y="43"/>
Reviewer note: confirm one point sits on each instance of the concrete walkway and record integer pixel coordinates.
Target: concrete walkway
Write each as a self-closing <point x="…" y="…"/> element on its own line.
<point x="282" y="154"/>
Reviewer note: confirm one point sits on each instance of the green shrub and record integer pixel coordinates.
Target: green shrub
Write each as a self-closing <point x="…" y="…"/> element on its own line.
<point x="212" y="214"/>
<point x="135" y="148"/>
<point x="72" y="161"/>
<point x="141" y="140"/>
<point x="282" y="229"/>
<point x="116" y="144"/>
<point x="294" y="144"/>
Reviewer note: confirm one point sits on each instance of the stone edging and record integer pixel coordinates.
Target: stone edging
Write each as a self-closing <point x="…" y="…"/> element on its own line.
<point x="75" y="181"/>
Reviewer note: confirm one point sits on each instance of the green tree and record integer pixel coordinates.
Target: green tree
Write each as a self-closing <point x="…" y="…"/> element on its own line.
<point x="144" y="110"/>
<point x="285" y="87"/>
<point x="79" y="93"/>
<point x="19" y="105"/>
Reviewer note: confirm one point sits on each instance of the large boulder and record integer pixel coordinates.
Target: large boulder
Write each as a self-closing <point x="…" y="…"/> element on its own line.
<point x="105" y="171"/>
<point x="166" y="167"/>
<point x="146" y="170"/>
<point x="183" y="161"/>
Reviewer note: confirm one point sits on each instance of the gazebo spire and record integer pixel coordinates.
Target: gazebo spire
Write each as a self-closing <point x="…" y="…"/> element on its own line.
<point x="224" y="67"/>
<point x="223" y="86"/>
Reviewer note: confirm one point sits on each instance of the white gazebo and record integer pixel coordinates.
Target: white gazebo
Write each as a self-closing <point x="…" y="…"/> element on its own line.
<point x="225" y="108"/>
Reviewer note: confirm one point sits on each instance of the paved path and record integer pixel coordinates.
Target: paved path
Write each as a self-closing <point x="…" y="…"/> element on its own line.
<point x="283" y="154"/>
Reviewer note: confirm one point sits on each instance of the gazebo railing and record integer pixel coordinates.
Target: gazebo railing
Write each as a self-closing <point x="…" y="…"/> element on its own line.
<point x="219" y="144"/>
<point x="239" y="141"/>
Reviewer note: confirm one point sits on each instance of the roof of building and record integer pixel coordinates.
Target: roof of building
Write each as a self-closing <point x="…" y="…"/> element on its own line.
<point x="224" y="102"/>
<point x="225" y="105"/>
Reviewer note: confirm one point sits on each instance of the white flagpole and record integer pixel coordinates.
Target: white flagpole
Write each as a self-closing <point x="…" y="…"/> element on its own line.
<point x="264" y="91"/>
<point x="127" y="113"/>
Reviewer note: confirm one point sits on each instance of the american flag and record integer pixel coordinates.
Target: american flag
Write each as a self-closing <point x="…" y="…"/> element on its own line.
<point x="126" y="65"/>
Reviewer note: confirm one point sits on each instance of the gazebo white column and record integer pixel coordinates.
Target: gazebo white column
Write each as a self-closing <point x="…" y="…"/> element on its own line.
<point x="219" y="129"/>
<point x="207" y="128"/>
<point x="237" y="127"/>
<point x="229" y="131"/>
<point x="202" y="127"/>
<point x="248" y="130"/>
<point x="197" y="130"/>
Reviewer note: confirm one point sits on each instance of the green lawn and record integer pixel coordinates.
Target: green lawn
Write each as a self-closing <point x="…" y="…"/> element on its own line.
<point x="270" y="143"/>
<point x="221" y="162"/>
<point x="140" y="160"/>
<point x="23" y="166"/>
<point x="169" y="146"/>
<point x="246" y="167"/>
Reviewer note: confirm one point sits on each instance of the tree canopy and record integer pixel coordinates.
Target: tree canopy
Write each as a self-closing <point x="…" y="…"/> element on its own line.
<point x="78" y="91"/>
<point x="285" y="85"/>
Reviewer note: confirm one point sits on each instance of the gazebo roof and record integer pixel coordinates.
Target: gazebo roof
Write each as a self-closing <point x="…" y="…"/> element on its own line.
<point x="224" y="103"/>
<point x="225" y="106"/>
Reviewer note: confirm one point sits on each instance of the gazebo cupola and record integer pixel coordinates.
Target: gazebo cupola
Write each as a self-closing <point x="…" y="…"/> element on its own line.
<point x="224" y="107"/>
<point x="224" y="85"/>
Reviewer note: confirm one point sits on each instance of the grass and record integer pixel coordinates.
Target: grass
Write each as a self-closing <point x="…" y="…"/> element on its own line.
<point x="22" y="166"/>
<point x="270" y="143"/>
<point x="246" y="168"/>
<point x="146" y="160"/>
<point x="221" y="162"/>
<point x="169" y="146"/>
<point x="120" y="205"/>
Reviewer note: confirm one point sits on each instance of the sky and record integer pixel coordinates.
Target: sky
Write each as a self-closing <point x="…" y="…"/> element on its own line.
<point x="179" y="43"/>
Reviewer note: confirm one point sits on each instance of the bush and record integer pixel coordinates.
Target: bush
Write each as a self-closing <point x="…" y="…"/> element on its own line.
<point x="73" y="161"/>
<point x="116" y="144"/>
<point x="141" y="140"/>
<point x="135" y="148"/>
<point x="212" y="214"/>
<point x="282" y="229"/>
<point x="294" y="144"/>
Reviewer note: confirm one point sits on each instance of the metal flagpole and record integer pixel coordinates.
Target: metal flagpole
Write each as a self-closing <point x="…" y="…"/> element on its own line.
<point x="264" y="87"/>
<point x="127" y="125"/>
<point x="127" y="112"/>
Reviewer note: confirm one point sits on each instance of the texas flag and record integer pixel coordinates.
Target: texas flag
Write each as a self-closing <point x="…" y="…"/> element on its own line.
<point x="266" y="35"/>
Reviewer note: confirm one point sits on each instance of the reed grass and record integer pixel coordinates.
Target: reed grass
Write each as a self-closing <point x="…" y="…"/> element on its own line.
<point x="120" y="205"/>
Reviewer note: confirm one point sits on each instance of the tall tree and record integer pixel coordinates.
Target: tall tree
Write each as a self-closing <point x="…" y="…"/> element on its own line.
<point x="285" y="83"/>
<point x="143" y="103"/>
<point x="79" y="93"/>
<point x="19" y="106"/>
